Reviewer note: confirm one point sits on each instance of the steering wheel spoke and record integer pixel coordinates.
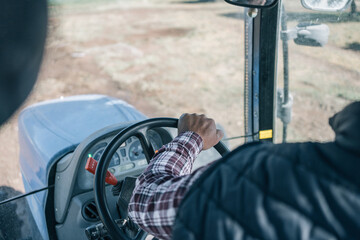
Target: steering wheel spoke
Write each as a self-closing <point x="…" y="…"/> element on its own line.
<point x="146" y="145"/>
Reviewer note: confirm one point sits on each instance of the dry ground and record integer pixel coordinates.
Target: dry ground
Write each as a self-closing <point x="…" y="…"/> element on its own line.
<point x="167" y="57"/>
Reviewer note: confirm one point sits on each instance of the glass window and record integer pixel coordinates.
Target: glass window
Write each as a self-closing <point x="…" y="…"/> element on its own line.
<point x="163" y="57"/>
<point x="323" y="77"/>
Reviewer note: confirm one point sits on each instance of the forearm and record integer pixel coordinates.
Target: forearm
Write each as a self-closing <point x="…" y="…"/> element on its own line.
<point x="160" y="189"/>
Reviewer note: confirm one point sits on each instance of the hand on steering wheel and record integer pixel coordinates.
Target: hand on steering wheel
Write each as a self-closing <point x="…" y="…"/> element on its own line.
<point x="139" y="130"/>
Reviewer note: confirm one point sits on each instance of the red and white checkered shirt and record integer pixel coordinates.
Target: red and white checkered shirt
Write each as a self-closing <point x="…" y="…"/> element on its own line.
<point x="160" y="189"/>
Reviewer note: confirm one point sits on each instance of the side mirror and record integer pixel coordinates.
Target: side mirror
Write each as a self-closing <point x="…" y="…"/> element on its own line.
<point x="253" y="3"/>
<point x="315" y="35"/>
<point x="308" y="34"/>
<point x="326" y="5"/>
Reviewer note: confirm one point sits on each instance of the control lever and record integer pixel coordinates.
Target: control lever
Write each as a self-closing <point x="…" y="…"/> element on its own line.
<point x="99" y="231"/>
<point x="91" y="165"/>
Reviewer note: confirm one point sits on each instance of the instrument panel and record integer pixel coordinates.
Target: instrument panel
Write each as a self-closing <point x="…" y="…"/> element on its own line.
<point x="128" y="160"/>
<point x="129" y="156"/>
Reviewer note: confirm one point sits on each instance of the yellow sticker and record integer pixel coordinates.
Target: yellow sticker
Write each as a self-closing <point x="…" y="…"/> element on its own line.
<point x="265" y="134"/>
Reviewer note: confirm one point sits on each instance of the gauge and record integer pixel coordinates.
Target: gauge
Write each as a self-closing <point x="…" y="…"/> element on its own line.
<point x="155" y="139"/>
<point x="115" y="160"/>
<point x="136" y="152"/>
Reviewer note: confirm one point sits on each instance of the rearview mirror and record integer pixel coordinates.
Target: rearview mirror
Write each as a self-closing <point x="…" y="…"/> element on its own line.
<point x="326" y="5"/>
<point x="253" y="3"/>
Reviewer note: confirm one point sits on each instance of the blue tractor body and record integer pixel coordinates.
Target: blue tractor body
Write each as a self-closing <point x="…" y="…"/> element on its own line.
<point x="52" y="129"/>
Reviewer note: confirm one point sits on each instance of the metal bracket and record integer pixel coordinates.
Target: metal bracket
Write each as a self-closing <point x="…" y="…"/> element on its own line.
<point x="284" y="109"/>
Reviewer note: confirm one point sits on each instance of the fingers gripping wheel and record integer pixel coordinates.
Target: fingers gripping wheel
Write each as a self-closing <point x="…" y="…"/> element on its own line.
<point x="139" y="130"/>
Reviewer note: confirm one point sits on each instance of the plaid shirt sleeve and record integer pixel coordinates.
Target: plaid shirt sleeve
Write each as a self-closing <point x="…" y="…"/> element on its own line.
<point x="160" y="189"/>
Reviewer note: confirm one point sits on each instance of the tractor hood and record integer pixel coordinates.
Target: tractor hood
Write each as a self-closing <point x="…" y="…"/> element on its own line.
<point x="50" y="130"/>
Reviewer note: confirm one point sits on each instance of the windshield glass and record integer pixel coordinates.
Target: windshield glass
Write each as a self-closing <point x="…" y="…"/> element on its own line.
<point x="163" y="57"/>
<point x="322" y="77"/>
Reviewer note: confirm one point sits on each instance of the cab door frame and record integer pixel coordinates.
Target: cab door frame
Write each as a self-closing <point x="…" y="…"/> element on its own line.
<point x="261" y="42"/>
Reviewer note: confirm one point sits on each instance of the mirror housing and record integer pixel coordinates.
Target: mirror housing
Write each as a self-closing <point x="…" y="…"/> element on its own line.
<point x="326" y="6"/>
<point x="308" y="34"/>
<point x="315" y="35"/>
<point x="253" y="3"/>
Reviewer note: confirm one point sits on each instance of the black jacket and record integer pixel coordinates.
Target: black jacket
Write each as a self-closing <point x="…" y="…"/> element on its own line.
<point x="285" y="191"/>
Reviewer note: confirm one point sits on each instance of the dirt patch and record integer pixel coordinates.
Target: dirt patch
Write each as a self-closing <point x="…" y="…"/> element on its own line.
<point x="355" y="46"/>
<point x="168" y="32"/>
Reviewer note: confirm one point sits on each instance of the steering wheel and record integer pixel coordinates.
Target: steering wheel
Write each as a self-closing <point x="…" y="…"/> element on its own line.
<point x="139" y="130"/>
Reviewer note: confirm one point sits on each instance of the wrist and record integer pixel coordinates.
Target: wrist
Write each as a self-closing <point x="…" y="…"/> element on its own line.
<point x="191" y="141"/>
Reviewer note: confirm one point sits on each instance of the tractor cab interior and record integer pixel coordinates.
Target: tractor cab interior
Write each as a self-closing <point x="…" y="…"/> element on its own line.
<point x="270" y="70"/>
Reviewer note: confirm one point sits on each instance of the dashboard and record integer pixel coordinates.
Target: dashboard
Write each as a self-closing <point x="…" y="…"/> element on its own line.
<point x="74" y="203"/>
<point x="129" y="158"/>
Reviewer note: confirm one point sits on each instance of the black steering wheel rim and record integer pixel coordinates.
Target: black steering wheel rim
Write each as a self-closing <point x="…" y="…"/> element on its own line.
<point x="138" y="129"/>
